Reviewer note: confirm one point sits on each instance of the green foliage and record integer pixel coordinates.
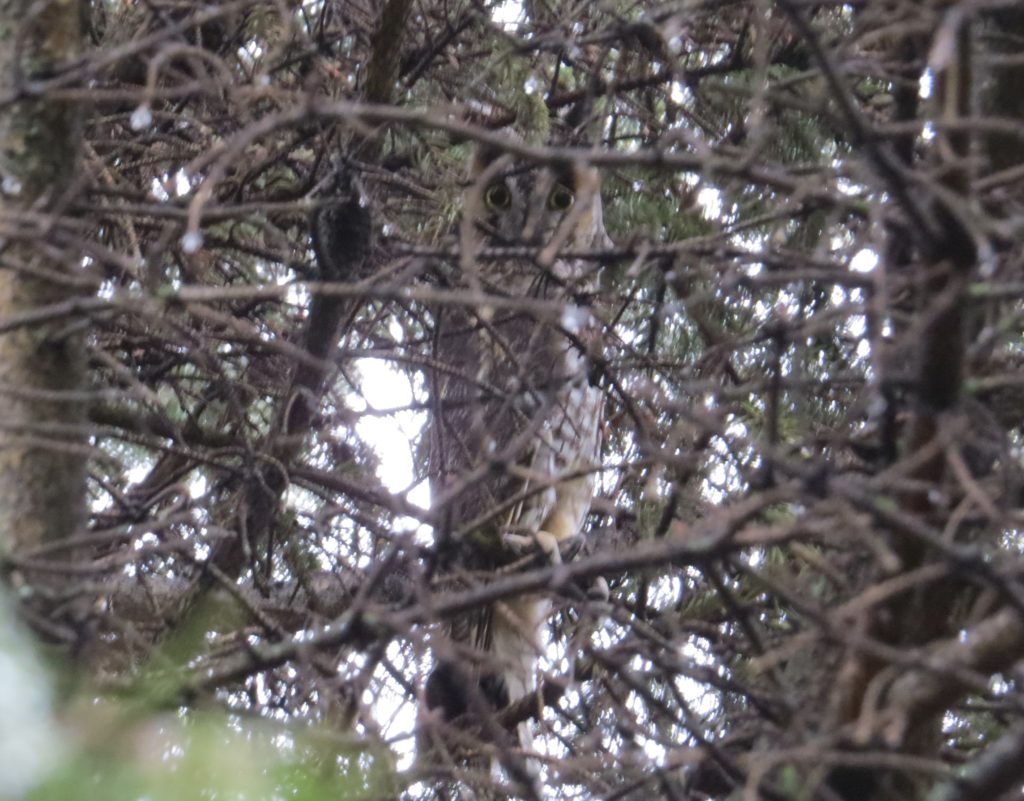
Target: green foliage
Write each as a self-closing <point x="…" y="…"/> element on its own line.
<point x="166" y="758"/>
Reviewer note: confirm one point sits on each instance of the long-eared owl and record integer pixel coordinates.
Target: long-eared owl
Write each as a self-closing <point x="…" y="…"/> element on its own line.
<point x="515" y="429"/>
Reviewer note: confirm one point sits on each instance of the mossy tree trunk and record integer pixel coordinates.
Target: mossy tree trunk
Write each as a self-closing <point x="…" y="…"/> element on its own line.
<point x="42" y="433"/>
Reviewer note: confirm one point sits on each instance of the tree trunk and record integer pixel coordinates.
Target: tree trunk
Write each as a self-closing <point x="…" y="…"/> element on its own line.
<point x="42" y="433"/>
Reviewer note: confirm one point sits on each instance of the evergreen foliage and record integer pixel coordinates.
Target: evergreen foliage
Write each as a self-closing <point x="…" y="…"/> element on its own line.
<point x="809" y="495"/>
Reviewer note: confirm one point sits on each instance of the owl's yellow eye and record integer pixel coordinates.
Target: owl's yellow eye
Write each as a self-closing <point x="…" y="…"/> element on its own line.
<point x="561" y="198"/>
<point x="497" y="197"/>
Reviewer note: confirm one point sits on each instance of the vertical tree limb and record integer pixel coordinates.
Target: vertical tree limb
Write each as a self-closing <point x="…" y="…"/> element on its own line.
<point x="42" y="462"/>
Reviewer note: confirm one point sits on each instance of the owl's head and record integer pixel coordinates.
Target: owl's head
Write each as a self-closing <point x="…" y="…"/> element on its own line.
<point x="548" y="207"/>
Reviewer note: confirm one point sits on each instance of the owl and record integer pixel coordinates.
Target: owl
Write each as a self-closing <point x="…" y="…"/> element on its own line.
<point x="515" y="428"/>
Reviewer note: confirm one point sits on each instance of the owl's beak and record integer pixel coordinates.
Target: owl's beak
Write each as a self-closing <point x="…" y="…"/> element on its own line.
<point x="536" y="215"/>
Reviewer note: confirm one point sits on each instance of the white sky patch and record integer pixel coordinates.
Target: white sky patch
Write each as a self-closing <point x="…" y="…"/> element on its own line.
<point x="181" y="183"/>
<point x="925" y="84"/>
<point x="250" y="53"/>
<point x="391" y="428"/>
<point x="161" y="187"/>
<point x="702" y="700"/>
<point x="998" y="685"/>
<point x="509" y="13"/>
<point x="198" y="485"/>
<point x="156" y="188"/>
<point x="665" y="590"/>
<point x="723" y="475"/>
<point x="713" y="486"/>
<point x="679" y="92"/>
<point x="864" y="261"/>
<point x="395" y="711"/>
<point x="848" y="187"/>
<point x="856" y="325"/>
<point x="139" y="471"/>
<point x="710" y="200"/>
<point x="295" y="294"/>
<point x="785" y="304"/>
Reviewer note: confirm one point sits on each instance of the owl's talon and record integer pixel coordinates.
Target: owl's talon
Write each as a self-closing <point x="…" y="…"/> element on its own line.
<point x="519" y="544"/>
<point x="599" y="590"/>
<point x="569" y="547"/>
<point x="546" y="542"/>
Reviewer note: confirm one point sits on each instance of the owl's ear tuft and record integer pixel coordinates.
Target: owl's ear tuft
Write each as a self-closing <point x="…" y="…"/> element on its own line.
<point x="484" y="155"/>
<point x="578" y="115"/>
<point x="575" y="126"/>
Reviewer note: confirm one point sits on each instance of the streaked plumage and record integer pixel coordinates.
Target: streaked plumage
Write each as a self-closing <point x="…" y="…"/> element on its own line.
<point x="515" y="429"/>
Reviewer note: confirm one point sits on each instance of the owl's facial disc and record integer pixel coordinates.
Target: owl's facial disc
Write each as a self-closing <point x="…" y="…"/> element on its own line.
<point x="552" y="208"/>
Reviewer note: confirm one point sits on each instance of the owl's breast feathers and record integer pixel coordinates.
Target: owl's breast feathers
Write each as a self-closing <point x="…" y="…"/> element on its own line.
<point x="515" y="443"/>
<point x="516" y="433"/>
<point x="516" y="425"/>
<point x="515" y="428"/>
